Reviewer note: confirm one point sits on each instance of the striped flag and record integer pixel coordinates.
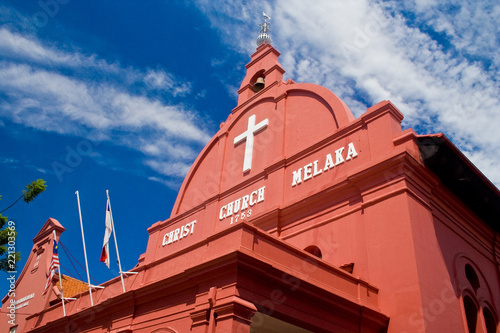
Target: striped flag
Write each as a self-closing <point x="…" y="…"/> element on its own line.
<point x="54" y="266"/>
<point x="107" y="234"/>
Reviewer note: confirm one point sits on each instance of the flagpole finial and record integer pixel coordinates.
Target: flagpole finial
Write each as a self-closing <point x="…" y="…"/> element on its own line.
<point x="264" y="37"/>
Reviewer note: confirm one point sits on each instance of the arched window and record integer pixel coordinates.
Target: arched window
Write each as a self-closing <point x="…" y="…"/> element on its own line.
<point x="470" y="314"/>
<point x="314" y="250"/>
<point x="477" y="296"/>
<point x="258" y="81"/>
<point x="489" y="321"/>
<point x="471" y="275"/>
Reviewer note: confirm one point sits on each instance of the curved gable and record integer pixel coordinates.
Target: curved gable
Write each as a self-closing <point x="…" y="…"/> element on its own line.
<point x="279" y="123"/>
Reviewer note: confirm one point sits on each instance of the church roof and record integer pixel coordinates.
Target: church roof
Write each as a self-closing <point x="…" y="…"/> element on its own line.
<point x="462" y="177"/>
<point x="72" y="286"/>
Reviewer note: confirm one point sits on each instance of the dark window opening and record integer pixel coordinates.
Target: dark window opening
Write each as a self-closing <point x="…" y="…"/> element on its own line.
<point x="471" y="275"/>
<point x="489" y="320"/>
<point x="470" y="314"/>
<point x="314" y="250"/>
<point x="258" y="81"/>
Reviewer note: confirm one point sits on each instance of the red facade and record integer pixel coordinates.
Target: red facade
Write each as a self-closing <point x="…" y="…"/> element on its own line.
<point x="297" y="217"/>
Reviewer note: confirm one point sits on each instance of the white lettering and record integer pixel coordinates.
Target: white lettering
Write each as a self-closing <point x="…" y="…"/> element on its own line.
<point x="178" y="233"/>
<point x="308" y="171"/>
<point x="229" y="209"/>
<point x="316" y="171"/>
<point x="261" y="194"/>
<point x="22" y="305"/>
<point x="312" y="170"/>
<point x="351" y="152"/>
<point x="338" y="156"/>
<point x="244" y="204"/>
<point x="297" y="177"/>
<point x="329" y="162"/>
<point x="234" y="208"/>
<point x="253" y="202"/>
<point x="186" y="229"/>
<point x="30" y="296"/>
<point x="222" y="214"/>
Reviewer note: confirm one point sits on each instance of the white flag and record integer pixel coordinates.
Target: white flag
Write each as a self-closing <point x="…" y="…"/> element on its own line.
<point x="107" y="234"/>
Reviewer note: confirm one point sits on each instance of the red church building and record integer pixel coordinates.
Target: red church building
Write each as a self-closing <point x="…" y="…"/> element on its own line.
<point x="298" y="217"/>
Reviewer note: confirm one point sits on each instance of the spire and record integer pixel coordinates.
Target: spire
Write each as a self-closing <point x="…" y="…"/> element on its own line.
<point x="264" y="37"/>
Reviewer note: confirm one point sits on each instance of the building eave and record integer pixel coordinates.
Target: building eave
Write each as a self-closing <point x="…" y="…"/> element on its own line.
<point x="461" y="177"/>
<point x="253" y="253"/>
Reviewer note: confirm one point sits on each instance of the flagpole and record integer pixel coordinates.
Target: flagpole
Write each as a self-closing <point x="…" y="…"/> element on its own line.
<point x="84" y="249"/>
<point x="116" y="243"/>
<point x="60" y="280"/>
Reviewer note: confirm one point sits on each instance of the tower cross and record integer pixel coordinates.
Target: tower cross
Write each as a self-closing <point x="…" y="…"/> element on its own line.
<point x="248" y="136"/>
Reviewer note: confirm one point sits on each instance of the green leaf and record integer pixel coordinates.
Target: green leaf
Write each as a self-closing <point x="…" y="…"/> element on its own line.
<point x="33" y="189"/>
<point x="3" y="220"/>
<point x="6" y="265"/>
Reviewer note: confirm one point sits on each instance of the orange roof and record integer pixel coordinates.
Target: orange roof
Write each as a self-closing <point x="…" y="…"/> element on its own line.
<point x="72" y="286"/>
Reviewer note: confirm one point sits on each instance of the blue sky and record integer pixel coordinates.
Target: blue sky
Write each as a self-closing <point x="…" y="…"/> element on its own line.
<point x="123" y="95"/>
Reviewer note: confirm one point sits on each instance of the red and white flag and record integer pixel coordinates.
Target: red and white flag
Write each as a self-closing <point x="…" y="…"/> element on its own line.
<point x="107" y="234"/>
<point x="54" y="266"/>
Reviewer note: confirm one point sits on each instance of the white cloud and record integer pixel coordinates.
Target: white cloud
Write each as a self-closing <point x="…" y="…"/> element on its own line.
<point x="8" y="160"/>
<point x="236" y="20"/>
<point x="164" y="81"/>
<point x="365" y="48"/>
<point x="485" y="163"/>
<point x="15" y="164"/>
<point x="42" y="96"/>
<point x="27" y="48"/>
<point x="161" y="147"/>
<point x="440" y="67"/>
<point x="166" y="168"/>
<point x="471" y="27"/>
<point x="169" y="183"/>
<point x="64" y="101"/>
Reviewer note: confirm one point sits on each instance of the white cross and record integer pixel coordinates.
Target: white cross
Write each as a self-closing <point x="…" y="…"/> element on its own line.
<point x="248" y="136"/>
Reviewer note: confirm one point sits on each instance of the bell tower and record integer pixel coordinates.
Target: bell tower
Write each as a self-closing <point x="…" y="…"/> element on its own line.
<point x="264" y="69"/>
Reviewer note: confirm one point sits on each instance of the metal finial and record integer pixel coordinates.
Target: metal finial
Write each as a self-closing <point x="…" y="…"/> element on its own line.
<point x="264" y="37"/>
<point x="265" y="26"/>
